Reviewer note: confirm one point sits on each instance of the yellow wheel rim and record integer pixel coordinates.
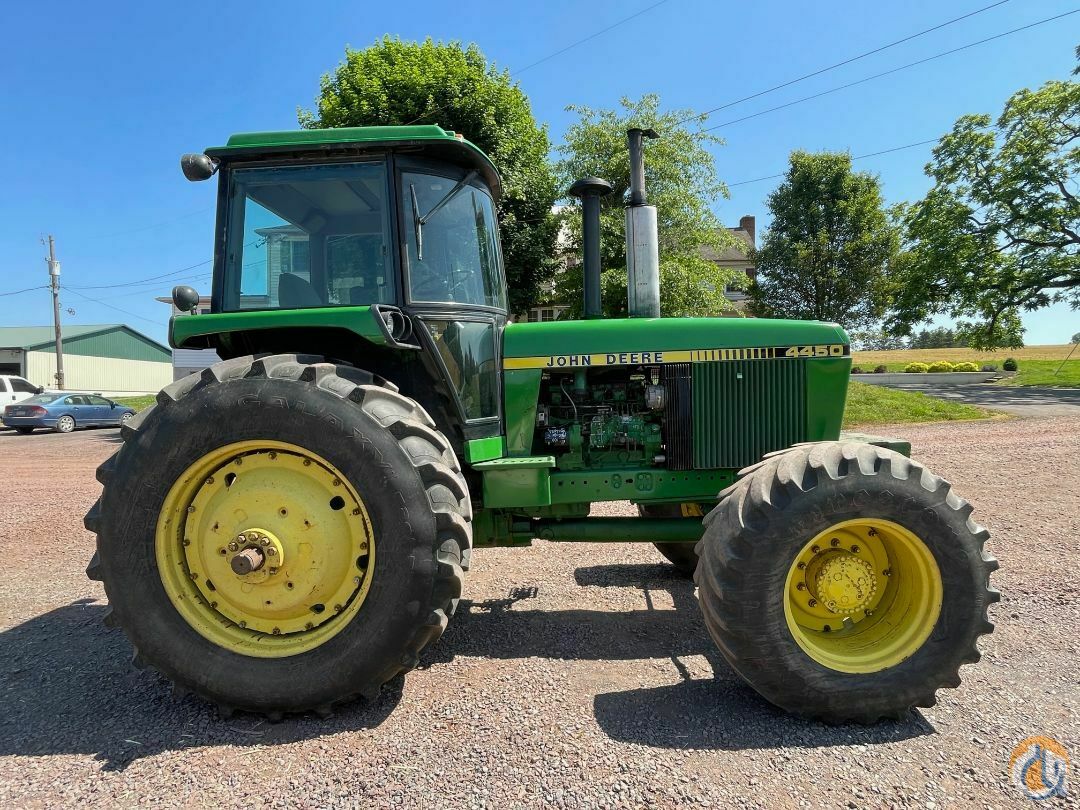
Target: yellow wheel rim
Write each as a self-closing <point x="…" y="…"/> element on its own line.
<point x="303" y="534"/>
<point x="863" y="596"/>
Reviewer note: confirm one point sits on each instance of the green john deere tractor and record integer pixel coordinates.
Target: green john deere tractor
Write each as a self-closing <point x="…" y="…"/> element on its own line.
<point x="291" y="528"/>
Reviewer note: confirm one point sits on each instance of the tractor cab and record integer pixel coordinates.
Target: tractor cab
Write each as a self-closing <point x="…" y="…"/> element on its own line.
<point x="399" y="221"/>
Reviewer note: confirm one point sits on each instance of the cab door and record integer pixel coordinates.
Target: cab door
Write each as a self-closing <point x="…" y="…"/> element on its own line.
<point x="454" y="284"/>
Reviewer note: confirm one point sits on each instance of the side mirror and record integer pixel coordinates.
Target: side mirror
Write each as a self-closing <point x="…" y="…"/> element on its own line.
<point x="39" y="390"/>
<point x="198" y="166"/>
<point x="185" y="298"/>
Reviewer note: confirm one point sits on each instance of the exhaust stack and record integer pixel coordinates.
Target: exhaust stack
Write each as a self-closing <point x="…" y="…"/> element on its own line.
<point x="590" y="190"/>
<point x="642" y="239"/>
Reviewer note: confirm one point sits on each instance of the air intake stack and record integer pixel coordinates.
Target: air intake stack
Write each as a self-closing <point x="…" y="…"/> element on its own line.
<point x="590" y="190"/>
<point x="642" y="240"/>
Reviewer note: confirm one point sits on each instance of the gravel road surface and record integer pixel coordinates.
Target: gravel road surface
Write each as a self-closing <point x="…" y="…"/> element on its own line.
<point x="573" y="676"/>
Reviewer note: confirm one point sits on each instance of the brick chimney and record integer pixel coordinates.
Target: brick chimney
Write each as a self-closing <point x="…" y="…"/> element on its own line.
<point x="747" y="224"/>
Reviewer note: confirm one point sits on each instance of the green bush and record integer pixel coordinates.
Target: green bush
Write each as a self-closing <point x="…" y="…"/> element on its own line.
<point x="916" y="368"/>
<point x="966" y="367"/>
<point x="940" y="366"/>
<point x="989" y="367"/>
<point x="880" y="369"/>
<point x="1010" y="364"/>
<point x="856" y="370"/>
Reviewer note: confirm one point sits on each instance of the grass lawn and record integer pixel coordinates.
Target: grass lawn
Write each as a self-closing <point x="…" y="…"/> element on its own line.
<point x="1038" y="364"/>
<point x="877" y="405"/>
<point x="138" y="403"/>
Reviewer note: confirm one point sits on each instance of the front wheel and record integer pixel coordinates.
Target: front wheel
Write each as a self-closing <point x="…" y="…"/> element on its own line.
<point x="281" y="534"/>
<point x="845" y="582"/>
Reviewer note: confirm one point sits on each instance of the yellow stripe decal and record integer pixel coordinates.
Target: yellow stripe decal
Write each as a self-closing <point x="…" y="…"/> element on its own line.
<point x="575" y="361"/>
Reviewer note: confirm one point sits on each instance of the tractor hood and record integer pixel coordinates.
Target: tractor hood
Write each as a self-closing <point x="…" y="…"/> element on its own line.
<point x="643" y="341"/>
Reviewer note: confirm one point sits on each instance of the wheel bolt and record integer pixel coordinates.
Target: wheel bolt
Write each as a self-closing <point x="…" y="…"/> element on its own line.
<point x="190" y="509"/>
<point x="801" y="586"/>
<point x="271" y="551"/>
<point x="869" y="612"/>
<point x="835" y="541"/>
<point x="812" y="603"/>
<point x="815" y="549"/>
<point x="802" y="566"/>
<point x="337" y="608"/>
<point x="356" y="511"/>
<point x="276" y="631"/>
<point x="273" y="455"/>
<point x="308" y="626"/>
<point x="186" y="541"/>
<point x="337" y="482"/>
<point x="266" y="541"/>
<point x="251" y="537"/>
<point x="210" y="480"/>
<point x="233" y="547"/>
<point x="273" y="570"/>
<point x="855" y="549"/>
<point x="887" y="572"/>
<point x="307" y="462"/>
<point x="242" y="625"/>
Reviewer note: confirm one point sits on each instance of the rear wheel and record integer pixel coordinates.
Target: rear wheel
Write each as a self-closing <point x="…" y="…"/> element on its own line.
<point x="281" y="560"/>
<point x="845" y="582"/>
<point x="65" y="424"/>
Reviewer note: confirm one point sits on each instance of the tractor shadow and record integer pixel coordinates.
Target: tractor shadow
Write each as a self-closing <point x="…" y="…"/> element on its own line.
<point x="717" y="713"/>
<point x="67" y="687"/>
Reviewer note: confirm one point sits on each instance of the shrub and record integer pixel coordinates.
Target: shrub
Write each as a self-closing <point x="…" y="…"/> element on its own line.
<point x="916" y="368"/>
<point x="1010" y="364"/>
<point x="966" y="367"/>
<point x="940" y="366"/>
<point x="880" y="369"/>
<point x="989" y="367"/>
<point x="856" y="370"/>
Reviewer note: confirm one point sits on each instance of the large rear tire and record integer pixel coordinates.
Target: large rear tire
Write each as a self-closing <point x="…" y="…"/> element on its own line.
<point x="845" y="582"/>
<point x="295" y="464"/>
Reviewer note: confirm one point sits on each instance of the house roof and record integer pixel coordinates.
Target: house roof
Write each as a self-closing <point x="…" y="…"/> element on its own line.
<point x="36" y="337"/>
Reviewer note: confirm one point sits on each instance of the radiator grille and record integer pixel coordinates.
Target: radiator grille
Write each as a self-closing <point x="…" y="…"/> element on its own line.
<point x="678" y="417"/>
<point x="744" y="409"/>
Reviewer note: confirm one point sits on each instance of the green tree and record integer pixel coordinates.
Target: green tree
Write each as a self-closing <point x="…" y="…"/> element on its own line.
<point x="680" y="180"/>
<point x="395" y="82"/>
<point x="999" y="232"/>
<point x="826" y="253"/>
<point x="1075" y="338"/>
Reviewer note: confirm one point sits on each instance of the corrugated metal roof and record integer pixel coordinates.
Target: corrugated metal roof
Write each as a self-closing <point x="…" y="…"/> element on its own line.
<point x="32" y="337"/>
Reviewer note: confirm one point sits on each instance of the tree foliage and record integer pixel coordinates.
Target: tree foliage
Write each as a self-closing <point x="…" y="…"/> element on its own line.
<point x="680" y="180"/>
<point x="999" y="232"/>
<point x="395" y="82"/>
<point x="826" y="253"/>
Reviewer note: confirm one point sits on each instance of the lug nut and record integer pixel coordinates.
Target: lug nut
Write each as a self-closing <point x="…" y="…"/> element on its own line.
<point x="887" y="572"/>
<point x="337" y="608"/>
<point x="356" y="511"/>
<point x="802" y="566"/>
<point x="251" y="537"/>
<point x="273" y="455"/>
<point x="801" y="586"/>
<point x="210" y="480"/>
<point x="308" y="626"/>
<point x="855" y="549"/>
<point x="337" y="482"/>
<point x="266" y="541"/>
<point x="815" y="549"/>
<point x="242" y="625"/>
<point x="276" y="631"/>
<point x="271" y="551"/>
<point x="812" y="603"/>
<point x="190" y="509"/>
<point x="186" y="541"/>
<point x="835" y="541"/>
<point x="233" y="547"/>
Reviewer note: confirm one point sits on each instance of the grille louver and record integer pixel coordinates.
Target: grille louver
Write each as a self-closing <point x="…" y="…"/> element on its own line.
<point x="744" y="409"/>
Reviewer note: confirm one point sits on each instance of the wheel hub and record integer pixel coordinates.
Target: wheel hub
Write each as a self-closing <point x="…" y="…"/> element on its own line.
<point x="265" y="548"/>
<point x="845" y="583"/>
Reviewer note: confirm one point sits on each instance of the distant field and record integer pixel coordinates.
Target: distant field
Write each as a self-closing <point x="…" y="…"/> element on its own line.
<point x="1038" y="364"/>
<point x="138" y="403"/>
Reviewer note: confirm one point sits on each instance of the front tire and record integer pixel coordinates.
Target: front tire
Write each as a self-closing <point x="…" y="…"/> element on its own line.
<point x="337" y="463"/>
<point x="845" y="582"/>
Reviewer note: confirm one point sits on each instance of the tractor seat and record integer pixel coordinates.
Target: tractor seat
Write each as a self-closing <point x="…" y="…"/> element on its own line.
<point x="295" y="292"/>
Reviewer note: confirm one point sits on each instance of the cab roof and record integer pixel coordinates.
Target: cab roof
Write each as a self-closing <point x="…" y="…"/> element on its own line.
<point x="428" y="139"/>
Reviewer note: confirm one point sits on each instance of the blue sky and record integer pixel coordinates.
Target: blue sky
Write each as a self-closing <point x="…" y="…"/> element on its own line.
<point x="100" y="100"/>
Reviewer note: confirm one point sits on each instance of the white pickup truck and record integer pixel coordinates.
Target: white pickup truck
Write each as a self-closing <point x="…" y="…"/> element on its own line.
<point x="15" y="389"/>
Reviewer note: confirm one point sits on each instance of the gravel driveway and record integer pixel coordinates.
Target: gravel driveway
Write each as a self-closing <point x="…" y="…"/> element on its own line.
<point x="573" y="676"/>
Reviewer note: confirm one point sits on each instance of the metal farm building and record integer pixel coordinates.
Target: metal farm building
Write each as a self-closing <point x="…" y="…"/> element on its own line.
<point x="111" y="359"/>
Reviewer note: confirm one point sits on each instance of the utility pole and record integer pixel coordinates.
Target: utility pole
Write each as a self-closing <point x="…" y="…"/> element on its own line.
<point x="54" y="285"/>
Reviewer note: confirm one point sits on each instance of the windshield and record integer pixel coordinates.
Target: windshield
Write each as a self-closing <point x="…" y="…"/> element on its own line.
<point x="308" y="236"/>
<point x="451" y="241"/>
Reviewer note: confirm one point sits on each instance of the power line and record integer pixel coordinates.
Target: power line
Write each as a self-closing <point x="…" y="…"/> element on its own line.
<point x="818" y="72"/>
<point x="110" y="306"/>
<point x="559" y="52"/>
<point x="188" y="215"/>
<point x="894" y="70"/>
<point x="151" y="279"/>
<point x="28" y="289"/>
<point x="856" y="157"/>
